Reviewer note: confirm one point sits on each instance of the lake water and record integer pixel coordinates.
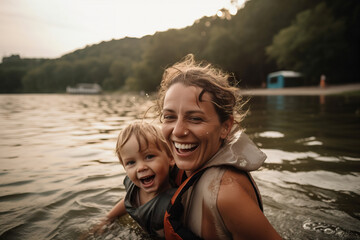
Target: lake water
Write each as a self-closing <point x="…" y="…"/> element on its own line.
<point x="59" y="174"/>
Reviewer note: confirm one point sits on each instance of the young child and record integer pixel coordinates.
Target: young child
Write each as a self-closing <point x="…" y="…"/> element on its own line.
<point x="147" y="160"/>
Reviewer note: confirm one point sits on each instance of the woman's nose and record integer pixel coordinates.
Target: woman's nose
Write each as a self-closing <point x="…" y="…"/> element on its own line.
<point x="180" y="129"/>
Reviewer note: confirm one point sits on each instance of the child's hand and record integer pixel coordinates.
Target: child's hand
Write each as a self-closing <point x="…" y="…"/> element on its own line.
<point x="101" y="227"/>
<point x="98" y="229"/>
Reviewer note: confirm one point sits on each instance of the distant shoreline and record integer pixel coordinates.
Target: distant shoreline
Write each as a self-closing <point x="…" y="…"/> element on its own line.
<point x="293" y="91"/>
<point x="303" y="91"/>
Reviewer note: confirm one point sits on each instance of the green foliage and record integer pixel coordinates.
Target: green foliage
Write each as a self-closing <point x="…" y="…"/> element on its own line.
<point x="11" y="80"/>
<point x="143" y="79"/>
<point x="119" y="70"/>
<point x="310" y="36"/>
<point x="12" y="71"/>
<point x="238" y="45"/>
<point x="313" y="44"/>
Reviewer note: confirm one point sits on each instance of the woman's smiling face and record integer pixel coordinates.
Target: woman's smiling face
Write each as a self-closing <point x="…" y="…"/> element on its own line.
<point x="192" y="127"/>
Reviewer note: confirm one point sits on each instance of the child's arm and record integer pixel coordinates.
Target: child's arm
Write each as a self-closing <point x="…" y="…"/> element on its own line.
<point x="117" y="211"/>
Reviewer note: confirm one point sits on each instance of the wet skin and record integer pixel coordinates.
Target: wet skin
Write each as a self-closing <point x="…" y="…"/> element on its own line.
<point x="147" y="168"/>
<point x="191" y="127"/>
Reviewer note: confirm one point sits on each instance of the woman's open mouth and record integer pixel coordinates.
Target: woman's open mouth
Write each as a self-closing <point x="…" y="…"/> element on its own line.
<point x="185" y="148"/>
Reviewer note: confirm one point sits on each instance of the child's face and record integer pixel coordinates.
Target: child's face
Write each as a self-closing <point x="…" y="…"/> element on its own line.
<point x="148" y="169"/>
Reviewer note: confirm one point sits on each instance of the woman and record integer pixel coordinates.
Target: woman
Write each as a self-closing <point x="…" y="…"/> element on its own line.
<point x="200" y="115"/>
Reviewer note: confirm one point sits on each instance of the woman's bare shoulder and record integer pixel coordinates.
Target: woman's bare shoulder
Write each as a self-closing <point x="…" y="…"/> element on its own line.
<point x="238" y="206"/>
<point x="239" y="180"/>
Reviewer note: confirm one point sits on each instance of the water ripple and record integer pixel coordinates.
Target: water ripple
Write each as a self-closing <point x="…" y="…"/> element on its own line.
<point x="330" y="229"/>
<point x="59" y="175"/>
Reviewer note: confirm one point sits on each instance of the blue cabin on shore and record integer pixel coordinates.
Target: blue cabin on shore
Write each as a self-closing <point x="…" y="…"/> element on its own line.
<point x="282" y="79"/>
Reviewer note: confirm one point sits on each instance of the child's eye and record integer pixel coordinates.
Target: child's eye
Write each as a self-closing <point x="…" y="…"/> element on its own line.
<point x="129" y="163"/>
<point x="149" y="156"/>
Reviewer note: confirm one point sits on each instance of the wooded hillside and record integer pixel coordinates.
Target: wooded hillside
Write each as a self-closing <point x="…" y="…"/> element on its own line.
<point x="310" y="36"/>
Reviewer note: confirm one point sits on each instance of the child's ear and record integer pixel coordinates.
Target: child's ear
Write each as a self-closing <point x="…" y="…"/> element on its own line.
<point x="172" y="162"/>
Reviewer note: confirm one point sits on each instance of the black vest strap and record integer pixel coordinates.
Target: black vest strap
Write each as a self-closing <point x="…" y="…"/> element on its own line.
<point x="176" y="209"/>
<point x="258" y="196"/>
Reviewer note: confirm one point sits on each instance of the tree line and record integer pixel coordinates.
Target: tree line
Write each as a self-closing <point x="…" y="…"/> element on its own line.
<point x="313" y="37"/>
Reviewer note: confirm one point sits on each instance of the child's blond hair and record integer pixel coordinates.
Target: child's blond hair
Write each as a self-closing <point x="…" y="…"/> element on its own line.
<point x="149" y="133"/>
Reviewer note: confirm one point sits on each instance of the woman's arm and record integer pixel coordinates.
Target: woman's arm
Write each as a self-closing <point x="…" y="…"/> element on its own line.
<point x="238" y="206"/>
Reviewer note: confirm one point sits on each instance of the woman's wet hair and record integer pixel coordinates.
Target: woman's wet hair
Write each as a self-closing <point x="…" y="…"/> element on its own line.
<point x="225" y="97"/>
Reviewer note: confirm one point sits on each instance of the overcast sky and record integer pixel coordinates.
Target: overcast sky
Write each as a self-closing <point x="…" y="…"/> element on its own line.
<point x="52" y="28"/>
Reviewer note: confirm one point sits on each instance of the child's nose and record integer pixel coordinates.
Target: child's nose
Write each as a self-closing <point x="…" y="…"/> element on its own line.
<point x="142" y="167"/>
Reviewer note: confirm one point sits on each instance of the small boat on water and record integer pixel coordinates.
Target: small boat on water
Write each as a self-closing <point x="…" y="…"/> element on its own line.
<point x="84" y="88"/>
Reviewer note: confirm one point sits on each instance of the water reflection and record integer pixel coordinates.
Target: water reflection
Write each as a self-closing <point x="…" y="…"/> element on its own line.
<point x="59" y="174"/>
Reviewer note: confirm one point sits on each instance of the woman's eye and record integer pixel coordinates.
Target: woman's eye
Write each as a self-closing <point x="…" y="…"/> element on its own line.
<point x="196" y="119"/>
<point x="169" y="117"/>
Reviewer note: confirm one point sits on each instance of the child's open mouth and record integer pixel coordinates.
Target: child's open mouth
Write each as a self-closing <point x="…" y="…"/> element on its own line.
<point x="185" y="148"/>
<point x="148" y="180"/>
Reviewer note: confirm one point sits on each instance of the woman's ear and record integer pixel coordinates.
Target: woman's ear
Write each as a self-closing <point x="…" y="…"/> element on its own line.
<point x="226" y="127"/>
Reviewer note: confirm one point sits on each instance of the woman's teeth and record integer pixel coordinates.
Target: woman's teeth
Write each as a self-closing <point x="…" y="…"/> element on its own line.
<point x="184" y="146"/>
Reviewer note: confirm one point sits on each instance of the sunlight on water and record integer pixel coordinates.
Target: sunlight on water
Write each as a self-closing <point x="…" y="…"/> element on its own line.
<point x="59" y="174"/>
<point x="271" y="134"/>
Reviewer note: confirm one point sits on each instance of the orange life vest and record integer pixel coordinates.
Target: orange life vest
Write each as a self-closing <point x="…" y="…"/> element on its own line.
<point x="173" y="227"/>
